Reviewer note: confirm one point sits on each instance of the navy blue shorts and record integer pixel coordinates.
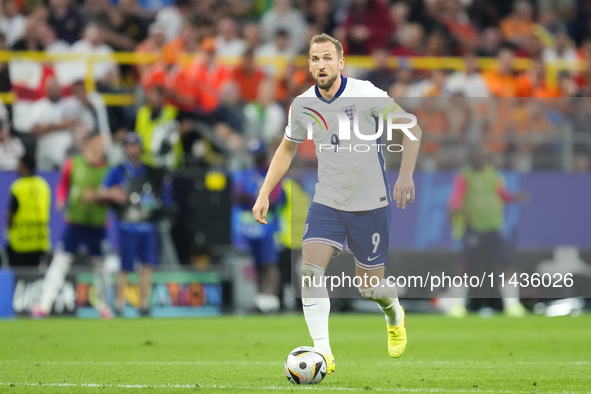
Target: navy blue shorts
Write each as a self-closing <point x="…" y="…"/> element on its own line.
<point x="263" y="251"/>
<point x="88" y="239"/>
<point x="367" y="232"/>
<point x="135" y="246"/>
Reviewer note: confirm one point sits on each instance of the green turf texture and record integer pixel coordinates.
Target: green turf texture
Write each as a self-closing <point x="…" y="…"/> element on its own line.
<point x="245" y="355"/>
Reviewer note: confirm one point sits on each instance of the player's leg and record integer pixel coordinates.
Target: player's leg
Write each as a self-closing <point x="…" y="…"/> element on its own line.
<point x="269" y="271"/>
<point x="96" y="241"/>
<point x="147" y="252"/>
<point x="265" y="258"/>
<point x="498" y="247"/>
<point x="470" y="255"/>
<point x="53" y="282"/>
<point x="57" y="270"/>
<point x="368" y="234"/>
<point x="315" y="299"/>
<point x="127" y="249"/>
<point x="324" y="234"/>
<point x="101" y="285"/>
<point x="121" y="281"/>
<point x="384" y="294"/>
<point x="145" y="280"/>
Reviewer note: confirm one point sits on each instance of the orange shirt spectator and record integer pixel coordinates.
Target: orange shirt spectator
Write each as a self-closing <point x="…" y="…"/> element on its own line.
<point x="500" y="84"/>
<point x="248" y="77"/>
<point x="495" y="136"/>
<point x="530" y="123"/>
<point x="199" y="83"/>
<point x="153" y="44"/>
<point x="154" y="75"/>
<point x="529" y="85"/>
<point x="519" y="25"/>
<point x="434" y="124"/>
<point x="294" y="82"/>
<point x="186" y="42"/>
<point x="512" y="28"/>
<point x="173" y="50"/>
<point x="532" y="83"/>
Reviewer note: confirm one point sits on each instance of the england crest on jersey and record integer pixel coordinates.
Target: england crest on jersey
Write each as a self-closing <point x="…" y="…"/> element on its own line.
<point x="350" y="112"/>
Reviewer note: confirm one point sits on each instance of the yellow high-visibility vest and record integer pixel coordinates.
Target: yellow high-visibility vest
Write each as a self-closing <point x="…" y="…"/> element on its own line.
<point x="145" y="127"/>
<point x="292" y="216"/>
<point x="29" y="231"/>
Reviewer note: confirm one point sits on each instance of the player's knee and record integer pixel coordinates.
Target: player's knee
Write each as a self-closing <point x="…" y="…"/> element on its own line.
<point x="309" y="272"/>
<point x="380" y="292"/>
<point x="63" y="260"/>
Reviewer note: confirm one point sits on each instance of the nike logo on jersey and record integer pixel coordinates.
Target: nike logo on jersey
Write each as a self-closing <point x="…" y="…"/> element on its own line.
<point x="370" y="259"/>
<point x="308" y="306"/>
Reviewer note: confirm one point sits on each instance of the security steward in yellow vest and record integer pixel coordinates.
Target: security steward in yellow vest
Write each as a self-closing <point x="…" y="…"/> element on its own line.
<point x="292" y="212"/>
<point x="28" y="237"/>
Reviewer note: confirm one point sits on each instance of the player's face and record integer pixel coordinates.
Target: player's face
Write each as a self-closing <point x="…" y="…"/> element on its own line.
<point x="95" y="146"/>
<point x="325" y="64"/>
<point x="133" y="151"/>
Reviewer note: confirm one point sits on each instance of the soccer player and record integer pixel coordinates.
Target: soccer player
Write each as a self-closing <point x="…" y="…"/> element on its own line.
<point x="86" y="214"/>
<point x="352" y="199"/>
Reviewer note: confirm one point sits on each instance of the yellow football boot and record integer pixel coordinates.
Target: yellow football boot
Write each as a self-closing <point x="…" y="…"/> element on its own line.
<point x="397" y="338"/>
<point x="330" y="364"/>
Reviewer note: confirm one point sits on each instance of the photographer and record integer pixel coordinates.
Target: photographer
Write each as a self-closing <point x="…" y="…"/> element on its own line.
<point x="135" y="190"/>
<point x="157" y="125"/>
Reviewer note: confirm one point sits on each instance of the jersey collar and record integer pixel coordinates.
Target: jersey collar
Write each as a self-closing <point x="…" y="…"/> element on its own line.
<point x="339" y="92"/>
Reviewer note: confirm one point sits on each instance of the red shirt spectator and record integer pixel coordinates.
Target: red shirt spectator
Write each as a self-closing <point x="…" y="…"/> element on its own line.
<point x="368" y="26"/>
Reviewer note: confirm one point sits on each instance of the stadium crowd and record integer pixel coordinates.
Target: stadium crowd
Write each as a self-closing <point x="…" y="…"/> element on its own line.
<point x="214" y="88"/>
<point x="216" y="95"/>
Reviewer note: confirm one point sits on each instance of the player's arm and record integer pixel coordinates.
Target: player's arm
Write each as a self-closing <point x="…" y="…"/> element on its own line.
<point x="279" y="166"/>
<point x="404" y="186"/>
<point x="111" y="189"/>
<point x="64" y="184"/>
<point x="45" y="128"/>
<point x="11" y="211"/>
<point x="458" y="193"/>
<point x="507" y="196"/>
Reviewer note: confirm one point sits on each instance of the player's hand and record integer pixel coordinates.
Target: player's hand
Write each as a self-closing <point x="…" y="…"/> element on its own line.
<point x="404" y="191"/>
<point x="88" y="196"/>
<point x="117" y="195"/>
<point x="261" y="206"/>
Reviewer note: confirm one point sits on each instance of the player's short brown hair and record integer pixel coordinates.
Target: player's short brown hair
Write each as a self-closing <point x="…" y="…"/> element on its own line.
<point x="320" y="38"/>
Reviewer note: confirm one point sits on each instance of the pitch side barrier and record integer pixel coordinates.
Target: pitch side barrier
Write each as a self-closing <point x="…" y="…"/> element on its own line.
<point x="279" y="64"/>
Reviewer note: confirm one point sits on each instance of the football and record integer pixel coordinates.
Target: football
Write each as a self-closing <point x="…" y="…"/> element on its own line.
<point x="304" y="365"/>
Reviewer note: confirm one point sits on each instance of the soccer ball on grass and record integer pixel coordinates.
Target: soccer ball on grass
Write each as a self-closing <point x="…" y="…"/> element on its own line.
<point x="304" y="365"/>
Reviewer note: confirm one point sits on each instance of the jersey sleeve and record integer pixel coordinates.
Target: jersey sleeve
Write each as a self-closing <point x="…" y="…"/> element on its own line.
<point x="458" y="193"/>
<point x="380" y="104"/>
<point x="294" y="131"/>
<point x="63" y="186"/>
<point x="114" y="178"/>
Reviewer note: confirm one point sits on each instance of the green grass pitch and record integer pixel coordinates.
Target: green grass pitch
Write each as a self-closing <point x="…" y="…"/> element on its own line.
<point x="245" y="355"/>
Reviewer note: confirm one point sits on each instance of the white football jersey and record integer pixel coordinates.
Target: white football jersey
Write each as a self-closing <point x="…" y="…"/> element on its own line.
<point x="351" y="172"/>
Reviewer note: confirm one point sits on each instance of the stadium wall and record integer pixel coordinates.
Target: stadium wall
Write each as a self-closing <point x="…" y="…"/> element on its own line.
<point x="556" y="214"/>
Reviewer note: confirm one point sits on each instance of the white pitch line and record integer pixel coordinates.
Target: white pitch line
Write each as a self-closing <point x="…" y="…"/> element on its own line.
<point x="156" y="363"/>
<point x="291" y="388"/>
<point x="189" y="363"/>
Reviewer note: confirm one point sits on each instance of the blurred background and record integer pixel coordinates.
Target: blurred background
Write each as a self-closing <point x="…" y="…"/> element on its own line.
<point x="207" y="84"/>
